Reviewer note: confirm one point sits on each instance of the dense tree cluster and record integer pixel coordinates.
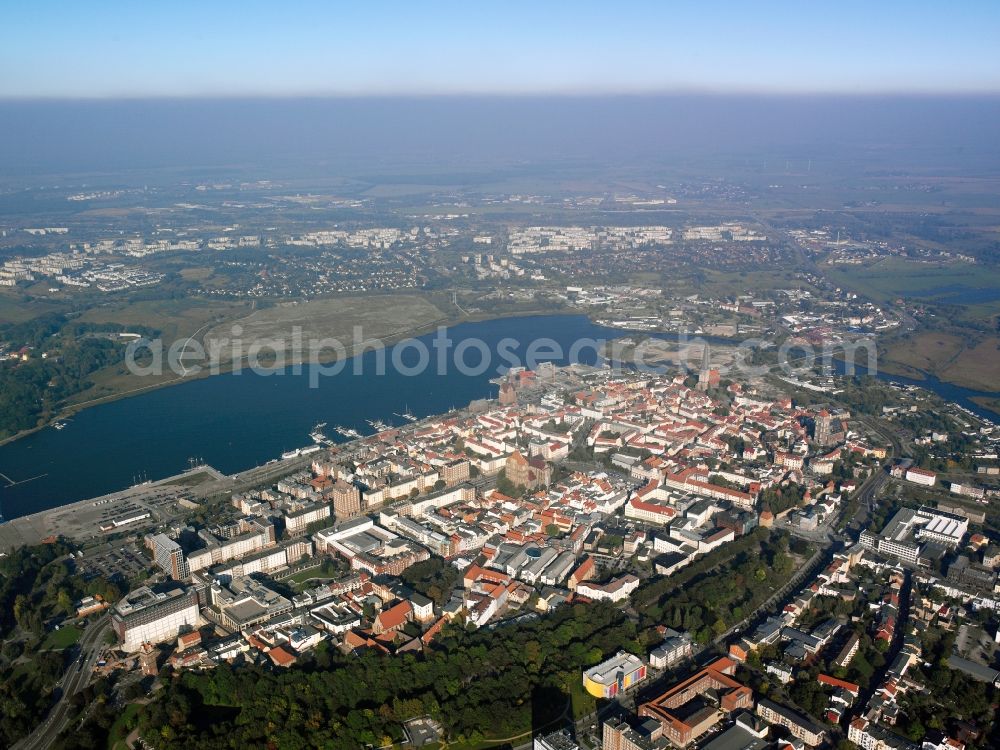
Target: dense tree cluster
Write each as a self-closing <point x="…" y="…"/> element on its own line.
<point x="25" y="693"/>
<point x="949" y="696"/>
<point x="31" y="390"/>
<point x="720" y="589"/>
<point x="865" y="395"/>
<point x="955" y="453"/>
<point x="489" y="682"/>
<point x="782" y="497"/>
<point x="102" y="716"/>
<point x="36" y="585"/>
<point x="31" y="577"/>
<point x="434" y="578"/>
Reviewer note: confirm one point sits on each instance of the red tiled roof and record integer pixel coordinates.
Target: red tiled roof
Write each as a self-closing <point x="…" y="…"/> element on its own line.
<point x="834" y="682"/>
<point x="281" y="657"/>
<point x="395" y="616"/>
<point x="433" y="630"/>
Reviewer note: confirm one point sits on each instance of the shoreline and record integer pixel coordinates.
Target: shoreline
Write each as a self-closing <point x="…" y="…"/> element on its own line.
<point x="33" y="528"/>
<point x="46" y="522"/>
<point x="989" y="403"/>
<point x="78" y="520"/>
<point x="70" y="410"/>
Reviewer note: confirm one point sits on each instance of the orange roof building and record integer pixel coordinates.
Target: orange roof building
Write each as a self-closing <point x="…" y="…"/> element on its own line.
<point x="281" y="657"/>
<point x="432" y="631"/>
<point x="850" y="687"/>
<point x="393" y="618"/>
<point x="584" y="572"/>
<point x="680" y="717"/>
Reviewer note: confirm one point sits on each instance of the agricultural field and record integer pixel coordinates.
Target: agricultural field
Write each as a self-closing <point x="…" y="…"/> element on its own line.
<point x="16" y="307"/>
<point x="716" y="284"/>
<point x="386" y="317"/>
<point x="961" y="358"/>
<point x="174" y="318"/>
<point x="960" y="283"/>
<point x="978" y="366"/>
<point x="928" y="351"/>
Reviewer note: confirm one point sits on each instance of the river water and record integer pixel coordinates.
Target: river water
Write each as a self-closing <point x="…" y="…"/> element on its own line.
<point x="237" y="421"/>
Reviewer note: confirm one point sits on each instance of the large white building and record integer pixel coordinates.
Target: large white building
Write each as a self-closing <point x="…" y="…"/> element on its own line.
<point x="297" y="521"/>
<point x="675" y="647"/>
<point x="615" y="591"/>
<point x="168" y="555"/>
<point x="556" y="741"/>
<point x="909" y="530"/>
<point x="921" y="476"/>
<point x="256" y="534"/>
<point x="896" y="539"/>
<point x="869" y="736"/>
<point x="151" y="616"/>
<point x="328" y="540"/>
<point x="244" y="603"/>
<point x="267" y="560"/>
<point x="939" y="526"/>
<point x="650" y="510"/>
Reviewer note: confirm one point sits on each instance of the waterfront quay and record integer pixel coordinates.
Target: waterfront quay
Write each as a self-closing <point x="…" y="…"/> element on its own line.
<point x="139" y="507"/>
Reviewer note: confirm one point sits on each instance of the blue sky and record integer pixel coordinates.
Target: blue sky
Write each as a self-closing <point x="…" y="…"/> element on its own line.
<point x="219" y="47"/>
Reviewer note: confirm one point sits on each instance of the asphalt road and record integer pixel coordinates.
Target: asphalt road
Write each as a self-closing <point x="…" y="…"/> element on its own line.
<point x="869" y="494"/>
<point x="77" y="677"/>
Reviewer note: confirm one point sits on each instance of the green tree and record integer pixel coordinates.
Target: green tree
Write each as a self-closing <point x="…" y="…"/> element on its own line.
<point x="65" y="603"/>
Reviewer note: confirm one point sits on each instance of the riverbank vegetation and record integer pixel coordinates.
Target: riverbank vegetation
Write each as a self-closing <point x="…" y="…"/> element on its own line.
<point x="49" y="359"/>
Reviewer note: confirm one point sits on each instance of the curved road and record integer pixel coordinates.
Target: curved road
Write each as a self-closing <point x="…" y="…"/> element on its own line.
<point x="77" y="677"/>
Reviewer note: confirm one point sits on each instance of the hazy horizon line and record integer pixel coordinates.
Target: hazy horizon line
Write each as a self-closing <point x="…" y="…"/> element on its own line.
<point x="761" y="93"/>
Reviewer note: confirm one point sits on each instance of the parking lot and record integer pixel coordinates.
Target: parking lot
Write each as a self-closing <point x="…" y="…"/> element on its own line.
<point x="125" y="561"/>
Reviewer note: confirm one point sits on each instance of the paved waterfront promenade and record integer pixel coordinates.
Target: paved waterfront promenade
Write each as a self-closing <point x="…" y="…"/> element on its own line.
<point x="82" y="521"/>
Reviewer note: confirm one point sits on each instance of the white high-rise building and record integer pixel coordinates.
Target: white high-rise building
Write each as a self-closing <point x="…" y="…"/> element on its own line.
<point x="147" y="616"/>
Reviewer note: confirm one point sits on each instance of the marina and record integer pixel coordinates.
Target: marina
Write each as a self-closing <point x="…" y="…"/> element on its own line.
<point x="318" y="437"/>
